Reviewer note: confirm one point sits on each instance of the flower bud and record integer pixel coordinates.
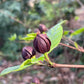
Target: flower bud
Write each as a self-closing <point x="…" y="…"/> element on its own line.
<point x="37" y="31"/>
<point x="42" y="43"/>
<point x="42" y="28"/>
<point x="28" y="52"/>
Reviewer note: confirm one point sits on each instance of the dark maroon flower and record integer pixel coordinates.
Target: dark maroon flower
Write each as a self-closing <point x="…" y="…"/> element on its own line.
<point x="28" y="52"/>
<point x="42" y="28"/>
<point x="42" y="43"/>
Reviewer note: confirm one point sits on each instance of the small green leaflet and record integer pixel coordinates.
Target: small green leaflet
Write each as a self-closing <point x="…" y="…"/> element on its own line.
<point x="77" y="32"/>
<point x="29" y="37"/>
<point x="32" y="35"/>
<point x="32" y="61"/>
<point x="26" y="62"/>
<point x="36" y="60"/>
<point x="13" y="37"/>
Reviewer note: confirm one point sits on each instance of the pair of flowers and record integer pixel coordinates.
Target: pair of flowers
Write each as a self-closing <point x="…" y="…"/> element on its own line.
<point x="41" y="44"/>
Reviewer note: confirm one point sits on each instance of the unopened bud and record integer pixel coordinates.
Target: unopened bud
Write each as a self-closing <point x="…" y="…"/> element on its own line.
<point x="42" y="28"/>
<point x="28" y="52"/>
<point x="42" y="43"/>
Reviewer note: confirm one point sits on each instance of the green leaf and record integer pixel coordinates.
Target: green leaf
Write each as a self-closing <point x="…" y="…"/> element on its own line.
<point x="41" y="58"/>
<point x="33" y="60"/>
<point x="29" y="37"/>
<point x="55" y="35"/>
<point x="32" y="35"/>
<point x="77" y="32"/>
<point x="13" y="37"/>
<point x="36" y="60"/>
<point x="14" y="69"/>
<point x="24" y="65"/>
<point x="26" y="62"/>
<point x="8" y="70"/>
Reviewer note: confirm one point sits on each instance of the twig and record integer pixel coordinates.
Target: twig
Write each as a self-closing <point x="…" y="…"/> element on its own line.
<point x="81" y="50"/>
<point x="54" y="65"/>
<point x="71" y="42"/>
<point x="67" y="66"/>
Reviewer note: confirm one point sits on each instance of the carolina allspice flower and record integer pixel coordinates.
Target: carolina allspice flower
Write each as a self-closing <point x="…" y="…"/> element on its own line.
<point x="42" y="28"/>
<point x="42" y="43"/>
<point x="28" y="52"/>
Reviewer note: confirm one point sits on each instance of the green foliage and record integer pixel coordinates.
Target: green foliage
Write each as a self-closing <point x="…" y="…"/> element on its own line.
<point x="30" y="36"/>
<point x="36" y="60"/>
<point x="13" y="37"/>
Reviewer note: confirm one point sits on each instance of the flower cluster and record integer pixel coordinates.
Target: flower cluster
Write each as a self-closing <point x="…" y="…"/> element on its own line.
<point x="41" y="43"/>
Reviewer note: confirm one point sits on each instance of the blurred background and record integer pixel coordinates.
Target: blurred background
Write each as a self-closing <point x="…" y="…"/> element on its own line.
<point x="21" y="17"/>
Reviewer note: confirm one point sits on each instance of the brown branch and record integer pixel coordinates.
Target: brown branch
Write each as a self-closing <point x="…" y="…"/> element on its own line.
<point x="81" y="50"/>
<point x="54" y="65"/>
<point x="67" y="66"/>
<point x="71" y="42"/>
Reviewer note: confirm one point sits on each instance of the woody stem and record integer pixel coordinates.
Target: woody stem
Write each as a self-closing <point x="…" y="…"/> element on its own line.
<point x="67" y="66"/>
